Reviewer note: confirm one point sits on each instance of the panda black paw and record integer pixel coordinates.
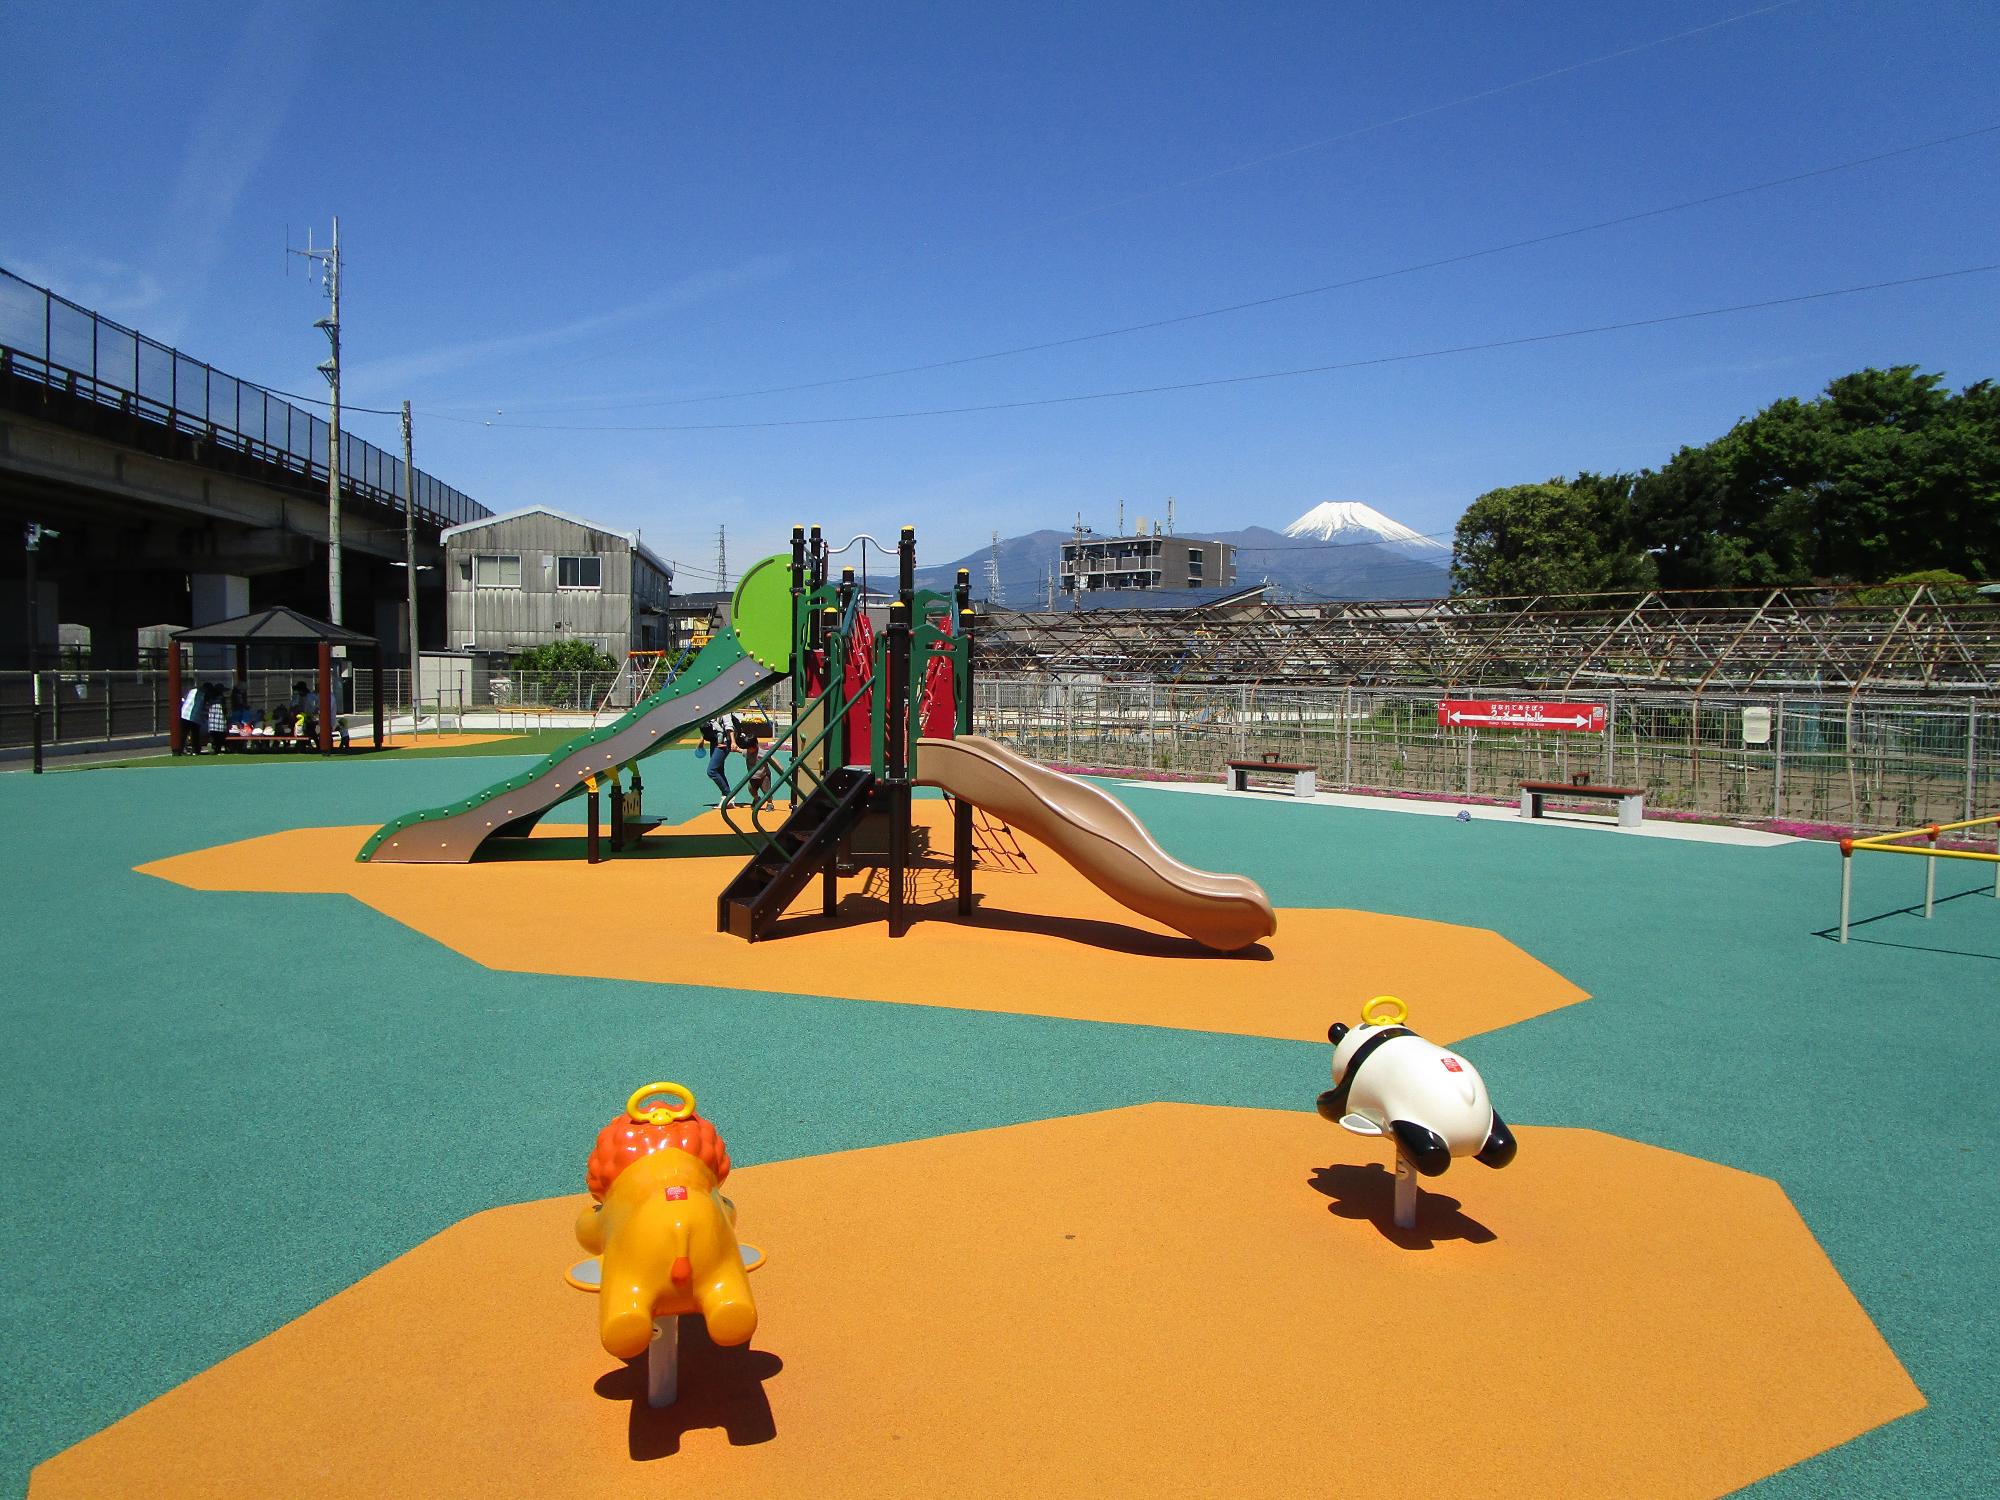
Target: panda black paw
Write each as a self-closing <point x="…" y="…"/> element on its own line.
<point x="1424" y="1147"/>
<point x="1500" y="1145"/>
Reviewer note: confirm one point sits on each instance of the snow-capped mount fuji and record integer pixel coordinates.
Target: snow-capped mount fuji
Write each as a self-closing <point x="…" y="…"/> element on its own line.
<point x="1340" y="550"/>
<point x="1356" y="521"/>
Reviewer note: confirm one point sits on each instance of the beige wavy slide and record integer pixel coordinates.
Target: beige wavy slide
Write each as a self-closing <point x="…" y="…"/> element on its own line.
<point x="1093" y="831"/>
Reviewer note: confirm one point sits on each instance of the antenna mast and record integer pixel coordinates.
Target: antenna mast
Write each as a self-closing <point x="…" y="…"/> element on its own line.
<point x="722" y="558"/>
<point x="328" y="263"/>
<point x="994" y="594"/>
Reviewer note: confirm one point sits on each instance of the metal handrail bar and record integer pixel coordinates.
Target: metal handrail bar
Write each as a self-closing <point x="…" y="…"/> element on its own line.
<point x="1930" y="830"/>
<point x="1931" y="852"/>
<point x="758" y="803"/>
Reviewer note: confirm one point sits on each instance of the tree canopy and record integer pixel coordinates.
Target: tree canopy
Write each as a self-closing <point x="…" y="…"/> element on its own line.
<point x="1567" y="536"/>
<point x="569" y="656"/>
<point x="1884" y="474"/>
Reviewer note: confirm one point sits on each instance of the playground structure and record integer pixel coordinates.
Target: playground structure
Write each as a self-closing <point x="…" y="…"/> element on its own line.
<point x="1390" y="1082"/>
<point x="1929" y="852"/>
<point x="665" y="1234"/>
<point x="642" y="674"/>
<point x="872" y="718"/>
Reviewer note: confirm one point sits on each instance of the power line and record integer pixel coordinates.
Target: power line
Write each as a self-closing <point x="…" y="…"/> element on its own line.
<point x="1415" y="114"/>
<point x="1277" y="298"/>
<point x="1320" y="143"/>
<point x="1263" y="375"/>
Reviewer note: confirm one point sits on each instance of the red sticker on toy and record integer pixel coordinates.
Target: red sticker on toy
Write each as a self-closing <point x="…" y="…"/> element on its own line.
<point x="1451" y="1065"/>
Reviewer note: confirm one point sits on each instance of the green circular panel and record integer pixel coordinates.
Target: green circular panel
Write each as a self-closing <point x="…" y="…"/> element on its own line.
<point x="762" y="612"/>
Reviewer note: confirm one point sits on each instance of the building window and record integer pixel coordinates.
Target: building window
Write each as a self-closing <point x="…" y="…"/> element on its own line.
<point x="580" y="572"/>
<point x="493" y="571"/>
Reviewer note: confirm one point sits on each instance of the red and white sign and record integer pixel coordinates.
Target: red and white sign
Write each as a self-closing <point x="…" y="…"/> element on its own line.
<point x="1474" y="713"/>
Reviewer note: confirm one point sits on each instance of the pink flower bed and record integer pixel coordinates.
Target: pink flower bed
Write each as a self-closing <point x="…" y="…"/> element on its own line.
<point x="1789" y="827"/>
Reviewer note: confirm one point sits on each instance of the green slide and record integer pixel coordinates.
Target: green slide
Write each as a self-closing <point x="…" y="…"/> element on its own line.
<point x="752" y="654"/>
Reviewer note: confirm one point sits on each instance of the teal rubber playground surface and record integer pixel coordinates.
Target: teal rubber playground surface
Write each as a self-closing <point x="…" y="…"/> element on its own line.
<point x="220" y="1109"/>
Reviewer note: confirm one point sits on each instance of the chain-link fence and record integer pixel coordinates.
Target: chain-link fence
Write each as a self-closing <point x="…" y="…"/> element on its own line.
<point x="1871" y="761"/>
<point x="84" y="709"/>
<point x="1866" y="762"/>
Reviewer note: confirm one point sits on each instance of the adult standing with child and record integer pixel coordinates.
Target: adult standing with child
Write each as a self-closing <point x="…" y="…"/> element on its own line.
<point x="718" y="735"/>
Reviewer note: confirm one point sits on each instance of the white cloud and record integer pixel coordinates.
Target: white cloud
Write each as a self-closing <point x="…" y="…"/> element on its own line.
<point x="397" y="372"/>
<point x="119" y="290"/>
<point x="234" y="133"/>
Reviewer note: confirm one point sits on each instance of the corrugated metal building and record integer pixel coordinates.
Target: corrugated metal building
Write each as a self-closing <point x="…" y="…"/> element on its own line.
<point x="693" y="618"/>
<point x="538" y="575"/>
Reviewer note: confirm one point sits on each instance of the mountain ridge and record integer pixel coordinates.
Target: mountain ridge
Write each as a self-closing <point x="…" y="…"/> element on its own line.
<point x="1337" y="550"/>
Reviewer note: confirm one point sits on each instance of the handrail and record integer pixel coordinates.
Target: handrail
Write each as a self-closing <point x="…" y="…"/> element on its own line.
<point x="190" y="396"/>
<point x="1883" y="843"/>
<point x="1884" y="840"/>
<point x="757" y="802"/>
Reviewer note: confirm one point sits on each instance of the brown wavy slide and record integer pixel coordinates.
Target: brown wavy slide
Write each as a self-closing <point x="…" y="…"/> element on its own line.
<point x="1093" y="831"/>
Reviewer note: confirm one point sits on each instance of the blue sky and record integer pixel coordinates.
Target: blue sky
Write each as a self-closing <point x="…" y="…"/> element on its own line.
<point x="563" y="217"/>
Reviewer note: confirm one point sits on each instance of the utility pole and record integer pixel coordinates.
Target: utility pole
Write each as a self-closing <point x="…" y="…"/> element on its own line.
<point x="34" y="537"/>
<point x="328" y="261"/>
<point x="410" y="556"/>
<point x="1076" y="567"/>
<point x="722" y="559"/>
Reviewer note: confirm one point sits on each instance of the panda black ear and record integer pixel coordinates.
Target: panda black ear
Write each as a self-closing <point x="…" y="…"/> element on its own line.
<point x="1336" y="1031"/>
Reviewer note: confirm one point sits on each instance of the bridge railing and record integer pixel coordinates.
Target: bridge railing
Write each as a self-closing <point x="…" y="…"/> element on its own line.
<point x="51" y="341"/>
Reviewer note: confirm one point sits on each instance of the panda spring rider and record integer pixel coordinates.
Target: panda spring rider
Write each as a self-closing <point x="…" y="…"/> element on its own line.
<point x="1388" y="1081"/>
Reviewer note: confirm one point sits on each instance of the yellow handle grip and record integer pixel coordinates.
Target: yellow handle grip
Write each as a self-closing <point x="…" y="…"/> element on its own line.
<point x="660" y="1114"/>
<point x="1392" y="1011"/>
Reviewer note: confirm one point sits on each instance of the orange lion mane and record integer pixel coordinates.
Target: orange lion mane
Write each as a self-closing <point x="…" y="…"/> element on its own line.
<point x="625" y="1140"/>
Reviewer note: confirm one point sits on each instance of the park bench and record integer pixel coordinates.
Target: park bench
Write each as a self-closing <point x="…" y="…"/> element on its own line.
<point x="1631" y="800"/>
<point x="1237" y="773"/>
<point x="246" y="740"/>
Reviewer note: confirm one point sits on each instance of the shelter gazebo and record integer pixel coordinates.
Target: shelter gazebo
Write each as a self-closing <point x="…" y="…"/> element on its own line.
<point x="281" y="626"/>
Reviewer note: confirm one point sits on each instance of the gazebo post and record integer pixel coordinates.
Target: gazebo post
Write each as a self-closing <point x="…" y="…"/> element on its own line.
<point x="375" y="687"/>
<point x="174" y="695"/>
<point x="325" y="697"/>
<point x="242" y="663"/>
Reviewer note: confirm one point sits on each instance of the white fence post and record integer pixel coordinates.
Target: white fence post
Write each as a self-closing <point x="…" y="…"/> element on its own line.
<point x="1347" y="738"/>
<point x="1971" y="752"/>
<point x="1778" y="764"/>
<point x="1611" y="740"/>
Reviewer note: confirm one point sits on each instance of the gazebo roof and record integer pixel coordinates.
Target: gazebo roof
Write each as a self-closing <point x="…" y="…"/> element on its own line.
<point x="275" y="627"/>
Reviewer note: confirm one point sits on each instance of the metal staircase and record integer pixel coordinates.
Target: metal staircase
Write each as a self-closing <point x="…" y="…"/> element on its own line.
<point x="806" y="844"/>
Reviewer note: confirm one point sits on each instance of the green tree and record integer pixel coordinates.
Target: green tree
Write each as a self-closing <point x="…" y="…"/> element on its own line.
<point x="558" y="670"/>
<point x="1567" y="536"/>
<point x="1946" y="587"/>
<point x="1884" y="473"/>
<point x="564" y="656"/>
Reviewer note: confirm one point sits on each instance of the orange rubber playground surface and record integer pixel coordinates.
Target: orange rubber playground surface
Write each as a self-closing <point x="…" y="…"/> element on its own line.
<point x="1046" y="1204"/>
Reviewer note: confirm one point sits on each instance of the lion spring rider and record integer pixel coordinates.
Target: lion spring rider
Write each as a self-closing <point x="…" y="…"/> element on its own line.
<point x="666" y="1235"/>
<point x="1389" y="1081"/>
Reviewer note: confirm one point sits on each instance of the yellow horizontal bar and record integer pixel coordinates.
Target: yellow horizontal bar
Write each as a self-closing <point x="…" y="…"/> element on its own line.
<point x="1873" y="838"/>
<point x="1969" y="823"/>
<point x="1924" y="853"/>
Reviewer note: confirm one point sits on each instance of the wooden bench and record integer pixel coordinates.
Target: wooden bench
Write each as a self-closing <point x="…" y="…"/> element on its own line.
<point x="1237" y="773"/>
<point x="1631" y="800"/>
